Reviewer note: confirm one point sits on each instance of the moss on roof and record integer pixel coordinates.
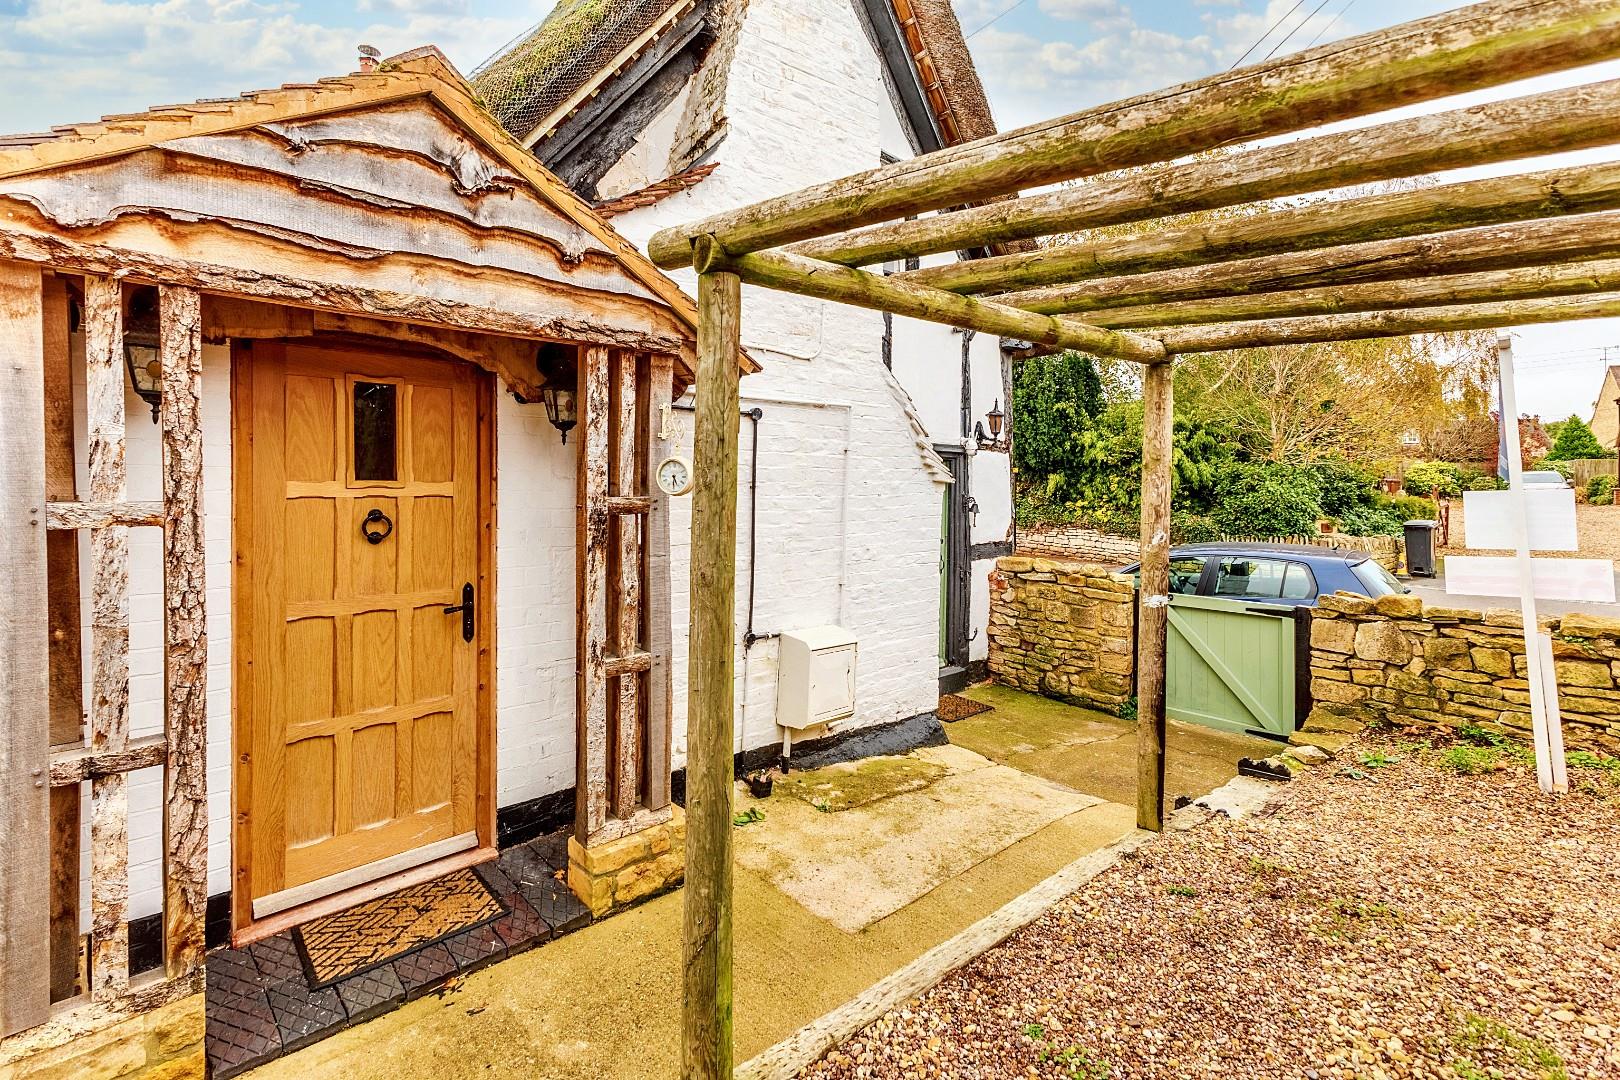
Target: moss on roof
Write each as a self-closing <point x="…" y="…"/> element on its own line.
<point x="528" y="80"/>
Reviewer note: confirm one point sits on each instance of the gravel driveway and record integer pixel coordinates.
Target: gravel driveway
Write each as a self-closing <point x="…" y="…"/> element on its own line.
<point x="1395" y="919"/>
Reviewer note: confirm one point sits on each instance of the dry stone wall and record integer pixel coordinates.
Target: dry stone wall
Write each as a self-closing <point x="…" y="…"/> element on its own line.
<point x="1062" y="628"/>
<point x="1398" y="661"/>
<point x="1075" y="542"/>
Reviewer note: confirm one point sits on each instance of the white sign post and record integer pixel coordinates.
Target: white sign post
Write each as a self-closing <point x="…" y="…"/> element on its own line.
<point x="1546" y="723"/>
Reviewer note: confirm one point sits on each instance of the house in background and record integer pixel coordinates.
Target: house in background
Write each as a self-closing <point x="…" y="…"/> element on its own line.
<point x="1606" y="410"/>
<point x="866" y="502"/>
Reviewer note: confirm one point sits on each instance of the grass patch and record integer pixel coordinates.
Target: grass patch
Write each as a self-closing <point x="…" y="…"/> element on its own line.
<point x="1349" y="919"/>
<point x="1586" y="759"/>
<point x="1481" y="1036"/>
<point x="1471" y="760"/>
<point x="1181" y="890"/>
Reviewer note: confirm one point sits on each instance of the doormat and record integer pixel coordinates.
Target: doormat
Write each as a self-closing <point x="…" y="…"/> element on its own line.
<point x="956" y="707"/>
<point x="357" y="939"/>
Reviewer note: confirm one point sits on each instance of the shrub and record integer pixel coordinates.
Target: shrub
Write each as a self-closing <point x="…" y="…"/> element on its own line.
<point x="1412" y="508"/>
<point x="1187" y="528"/>
<point x="1485" y="483"/>
<point x="1562" y="468"/>
<point x="1576" y="442"/>
<point x="1426" y="476"/>
<point x="1268" y="499"/>
<point x="1374" y="520"/>
<point x="1600" y="490"/>
<point x="1344" y="486"/>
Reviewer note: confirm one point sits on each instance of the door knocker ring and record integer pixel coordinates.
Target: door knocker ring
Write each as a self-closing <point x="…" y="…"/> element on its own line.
<point x="376" y="536"/>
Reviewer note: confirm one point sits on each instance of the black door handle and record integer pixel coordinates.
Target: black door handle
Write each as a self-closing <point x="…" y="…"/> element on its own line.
<point x="467" y="611"/>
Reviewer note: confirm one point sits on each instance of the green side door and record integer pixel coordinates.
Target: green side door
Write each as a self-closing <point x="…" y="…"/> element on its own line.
<point x="1230" y="664"/>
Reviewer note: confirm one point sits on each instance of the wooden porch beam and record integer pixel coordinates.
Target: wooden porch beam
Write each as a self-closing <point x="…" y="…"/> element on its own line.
<point x="83" y="515"/>
<point x="706" y="953"/>
<point x="657" y="387"/>
<point x="82" y="763"/>
<point x="1551" y="193"/>
<point x="109" y="639"/>
<point x="185" y="634"/>
<point x="1572" y="119"/>
<point x="25" y="801"/>
<point x="1567" y="279"/>
<point x="1490" y="247"/>
<point x="141" y="267"/>
<point x="625" y="529"/>
<point x="591" y="798"/>
<point x="1375" y="324"/>
<point x="66" y="636"/>
<point x="1488" y="44"/>
<point x="787" y="272"/>
<point x="1153" y="594"/>
<point x="629" y="504"/>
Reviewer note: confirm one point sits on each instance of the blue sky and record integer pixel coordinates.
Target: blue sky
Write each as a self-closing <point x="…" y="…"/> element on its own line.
<point x="74" y="60"/>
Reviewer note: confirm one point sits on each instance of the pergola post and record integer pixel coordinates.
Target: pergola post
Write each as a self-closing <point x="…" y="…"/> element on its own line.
<point x="1153" y="617"/>
<point x="706" y="941"/>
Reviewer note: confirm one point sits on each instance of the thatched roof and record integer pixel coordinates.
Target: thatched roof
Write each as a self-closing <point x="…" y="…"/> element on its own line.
<point x="941" y="53"/>
<point x="527" y="81"/>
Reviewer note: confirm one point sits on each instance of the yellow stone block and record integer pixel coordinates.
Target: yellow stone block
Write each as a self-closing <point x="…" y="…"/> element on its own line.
<point x="191" y="1066"/>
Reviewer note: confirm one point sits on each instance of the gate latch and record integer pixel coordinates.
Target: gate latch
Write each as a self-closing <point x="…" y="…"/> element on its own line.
<point x="466" y="609"/>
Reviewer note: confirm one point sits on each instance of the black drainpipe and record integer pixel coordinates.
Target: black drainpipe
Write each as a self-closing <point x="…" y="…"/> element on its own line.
<point x="754" y="414"/>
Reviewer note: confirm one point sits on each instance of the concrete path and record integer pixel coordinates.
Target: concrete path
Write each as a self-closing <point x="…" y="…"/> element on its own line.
<point x="605" y="1002"/>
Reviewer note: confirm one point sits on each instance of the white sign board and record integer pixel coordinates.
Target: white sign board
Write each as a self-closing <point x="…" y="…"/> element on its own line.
<point x="1553" y="579"/>
<point x="1488" y="517"/>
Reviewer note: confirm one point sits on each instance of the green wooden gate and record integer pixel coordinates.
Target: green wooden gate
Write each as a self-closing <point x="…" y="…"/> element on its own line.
<point x="1230" y="665"/>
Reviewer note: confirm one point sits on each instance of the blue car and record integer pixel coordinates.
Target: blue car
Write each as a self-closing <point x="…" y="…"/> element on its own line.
<point x="1289" y="574"/>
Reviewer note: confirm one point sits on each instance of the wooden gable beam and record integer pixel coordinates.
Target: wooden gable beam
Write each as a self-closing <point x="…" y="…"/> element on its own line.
<point x="1487" y="44"/>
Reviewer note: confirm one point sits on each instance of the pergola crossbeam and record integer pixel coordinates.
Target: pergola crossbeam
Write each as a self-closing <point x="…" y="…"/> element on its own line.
<point x="1520" y="283"/>
<point x="1499" y="200"/>
<point x="1492" y="247"/>
<point x="1377" y="324"/>
<point x="828" y="281"/>
<point x="1576" y="118"/>
<point x="1485" y="45"/>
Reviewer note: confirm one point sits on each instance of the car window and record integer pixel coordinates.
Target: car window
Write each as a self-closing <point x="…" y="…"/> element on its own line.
<point x="1262" y="578"/>
<point x="1185" y="570"/>
<point x="1376" y="580"/>
<point x="1299" y="583"/>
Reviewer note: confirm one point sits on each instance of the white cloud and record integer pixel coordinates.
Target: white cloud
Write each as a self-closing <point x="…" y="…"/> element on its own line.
<point x="81" y="59"/>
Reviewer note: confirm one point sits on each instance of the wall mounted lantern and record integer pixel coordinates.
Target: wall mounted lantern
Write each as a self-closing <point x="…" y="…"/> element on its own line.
<point x="141" y="354"/>
<point x="996" y="418"/>
<point x="558" y="365"/>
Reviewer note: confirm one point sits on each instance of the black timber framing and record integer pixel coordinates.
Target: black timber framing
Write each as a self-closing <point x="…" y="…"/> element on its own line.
<point x="590" y="117"/>
<point x="900" y="73"/>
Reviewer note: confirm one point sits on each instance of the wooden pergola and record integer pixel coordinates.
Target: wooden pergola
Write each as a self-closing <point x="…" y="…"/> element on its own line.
<point x="1536" y="247"/>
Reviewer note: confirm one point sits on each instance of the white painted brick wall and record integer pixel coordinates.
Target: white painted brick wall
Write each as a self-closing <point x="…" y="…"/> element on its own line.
<point x="806" y="103"/>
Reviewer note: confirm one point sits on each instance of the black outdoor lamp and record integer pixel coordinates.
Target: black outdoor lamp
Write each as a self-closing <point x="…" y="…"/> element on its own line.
<point x="141" y="349"/>
<point x="995" y="417"/>
<point x="559" y="366"/>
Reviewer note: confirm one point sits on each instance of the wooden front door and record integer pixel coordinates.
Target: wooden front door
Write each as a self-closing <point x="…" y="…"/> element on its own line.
<point x="358" y="526"/>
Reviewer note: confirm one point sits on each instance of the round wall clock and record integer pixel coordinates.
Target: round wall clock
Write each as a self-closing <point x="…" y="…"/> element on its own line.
<point x="674" y="476"/>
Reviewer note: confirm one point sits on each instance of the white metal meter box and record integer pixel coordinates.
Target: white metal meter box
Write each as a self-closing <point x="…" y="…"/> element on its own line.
<point x="815" y="682"/>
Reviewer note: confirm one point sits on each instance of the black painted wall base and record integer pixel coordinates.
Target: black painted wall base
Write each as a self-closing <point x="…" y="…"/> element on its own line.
<point x="532" y="818"/>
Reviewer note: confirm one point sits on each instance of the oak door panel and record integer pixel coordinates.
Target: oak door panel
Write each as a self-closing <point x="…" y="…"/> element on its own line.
<point x="362" y="715"/>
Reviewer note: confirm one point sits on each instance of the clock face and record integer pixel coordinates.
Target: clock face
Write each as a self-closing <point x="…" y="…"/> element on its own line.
<point x="675" y="476"/>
